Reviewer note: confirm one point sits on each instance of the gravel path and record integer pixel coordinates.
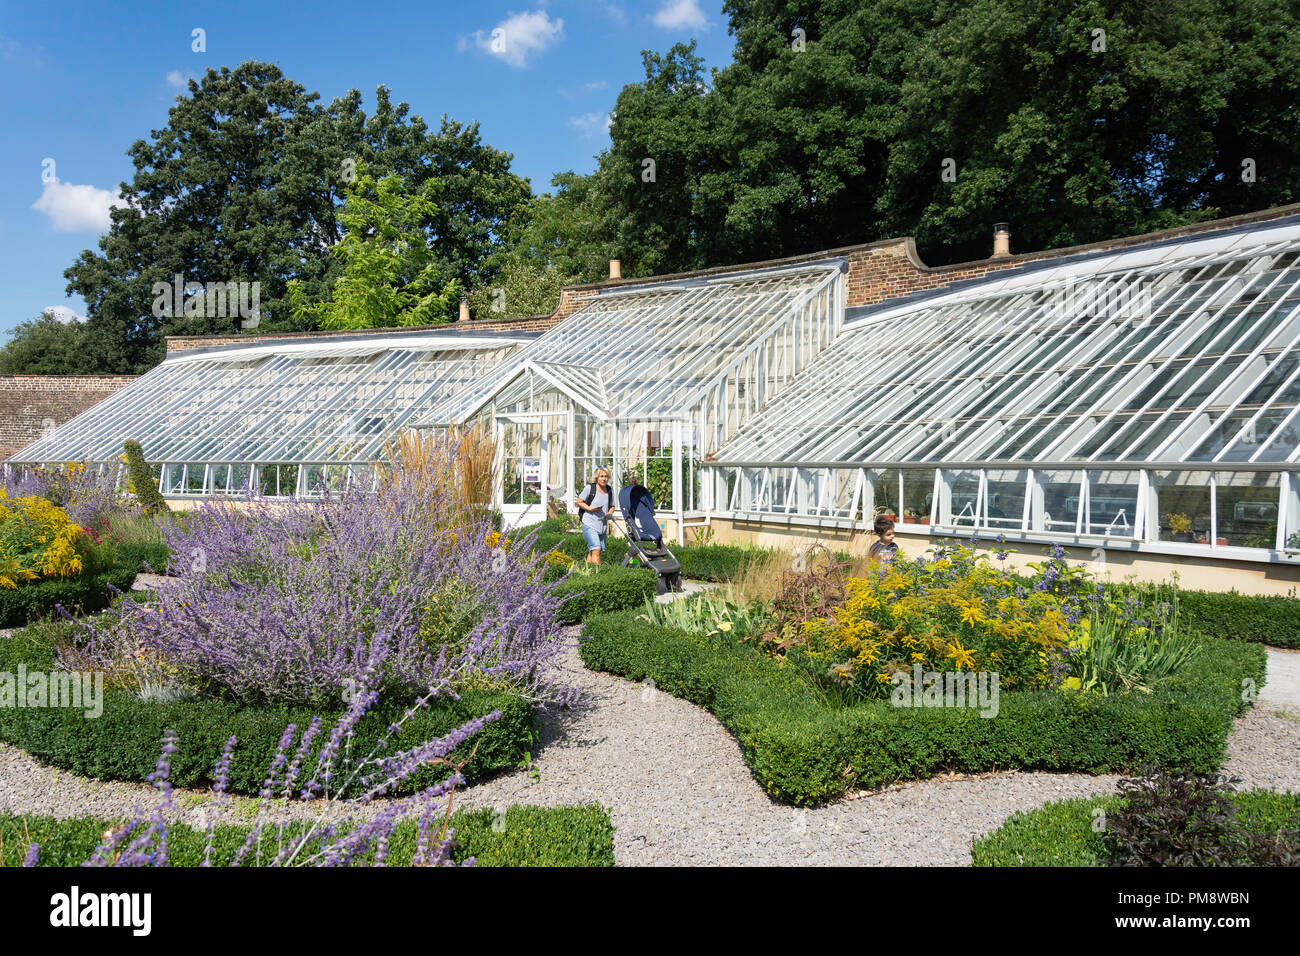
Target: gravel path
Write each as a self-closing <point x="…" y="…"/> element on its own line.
<point x="679" y="792"/>
<point x="1281" y="693"/>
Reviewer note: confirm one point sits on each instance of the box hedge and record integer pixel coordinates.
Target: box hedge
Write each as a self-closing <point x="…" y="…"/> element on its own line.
<point x="1272" y="619"/>
<point x="524" y="836"/>
<point x="1061" y="834"/>
<point x="805" y="750"/>
<point x="85" y="593"/>
<point x="123" y="742"/>
<point x="610" y="588"/>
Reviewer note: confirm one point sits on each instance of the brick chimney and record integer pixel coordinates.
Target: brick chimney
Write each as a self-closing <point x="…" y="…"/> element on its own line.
<point x="1001" y="240"/>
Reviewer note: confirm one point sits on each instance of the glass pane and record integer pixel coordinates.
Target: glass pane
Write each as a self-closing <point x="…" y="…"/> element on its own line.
<point x="965" y="496"/>
<point x="1111" y="505"/>
<point x="1059" y="510"/>
<point x="1184" y="498"/>
<point x="1246" y="508"/>
<point x="886" y="493"/>
<point x="918" y="495"/>
<point x="1006" y="504"/>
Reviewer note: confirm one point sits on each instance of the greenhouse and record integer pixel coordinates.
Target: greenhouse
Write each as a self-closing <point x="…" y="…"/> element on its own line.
<point x="653" y="379"/>
<point x="1144" y="397"/>
<point x="1139" y="396"/>
<point x="285" y="418"/>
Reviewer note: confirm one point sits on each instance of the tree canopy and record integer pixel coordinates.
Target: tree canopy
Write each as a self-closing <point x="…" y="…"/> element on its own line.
<point x="838" y="119"/>
<point x="245" y="183"/>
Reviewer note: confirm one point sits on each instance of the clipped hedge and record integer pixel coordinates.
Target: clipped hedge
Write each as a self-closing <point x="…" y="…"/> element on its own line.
<point x="1061" y="834"/>
<point x="805" y="750"/>
<point x="86" y="593"/>
<point x="716" y="562"/>
<point x="1271" y="619"/>
<point x="526" y="836"/>
<point x="611" y="588"/>
<point x="123" y="743"/>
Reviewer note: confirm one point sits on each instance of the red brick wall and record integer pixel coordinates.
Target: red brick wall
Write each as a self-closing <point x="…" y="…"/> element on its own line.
<point x="877" y="271"/>
<point x="29" y="404"/>
<point x="540" y="323"/>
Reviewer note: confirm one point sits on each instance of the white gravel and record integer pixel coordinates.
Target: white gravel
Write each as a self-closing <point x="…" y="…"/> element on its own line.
<point x="679" y="792"/>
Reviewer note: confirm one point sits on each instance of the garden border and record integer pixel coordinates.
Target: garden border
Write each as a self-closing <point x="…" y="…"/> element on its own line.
<point x="1061" y="833"/>
<point x="805" y="751"/>
<point x="124" y="742"/>
<point x="573" y="835"/>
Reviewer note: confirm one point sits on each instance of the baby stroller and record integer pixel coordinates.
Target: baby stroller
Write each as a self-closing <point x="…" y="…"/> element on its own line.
<point x="645" y="539"/>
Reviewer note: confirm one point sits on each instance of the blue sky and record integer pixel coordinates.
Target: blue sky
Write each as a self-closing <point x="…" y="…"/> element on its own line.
<point x="80" y="82"/>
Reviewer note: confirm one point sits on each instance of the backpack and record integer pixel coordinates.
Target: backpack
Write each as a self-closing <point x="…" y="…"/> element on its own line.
<point x="589" y="495"/>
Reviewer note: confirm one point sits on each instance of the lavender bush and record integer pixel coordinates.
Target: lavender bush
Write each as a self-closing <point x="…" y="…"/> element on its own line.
<point x="88" y="497"/>
<point x="143" y="841"/>
<point x="288" y="604"/>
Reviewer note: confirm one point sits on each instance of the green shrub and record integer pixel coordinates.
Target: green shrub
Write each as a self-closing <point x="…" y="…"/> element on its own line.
<point x="86" y="593"/>
<point x="806" y="750"/>
<point x="1264" y="619"/>
<point x="715" y="562"/>
<point x="139" y="555"/>
<point x="525" y="836"/>
<point x="123" y="743"/>
<point x="1074" y="832"/>
<point x="142" y="479"/>
<point x="1273" y="620"/>
<point x="607" y="588"/>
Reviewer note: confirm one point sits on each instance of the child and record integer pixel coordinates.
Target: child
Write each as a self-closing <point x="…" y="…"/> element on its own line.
<point x="884" y="549"/>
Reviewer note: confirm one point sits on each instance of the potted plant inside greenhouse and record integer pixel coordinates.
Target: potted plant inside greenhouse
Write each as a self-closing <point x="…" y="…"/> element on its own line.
<point x="882" y="512"/>
<point x="1181" y="527"/>
<point x="910" y="516"/>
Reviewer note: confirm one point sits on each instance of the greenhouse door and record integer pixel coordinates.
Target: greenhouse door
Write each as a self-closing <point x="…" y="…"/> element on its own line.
<point x="524" y="443"/>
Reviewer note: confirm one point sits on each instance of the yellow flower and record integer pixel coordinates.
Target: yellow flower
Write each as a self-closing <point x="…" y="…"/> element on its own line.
<point x="971" y="613"/>
<point x="962" y="656"/>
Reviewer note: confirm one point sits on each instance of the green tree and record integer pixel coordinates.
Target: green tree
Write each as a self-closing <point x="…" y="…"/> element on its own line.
<point x="246" y="182"/>
<point x="391" y="276"/>
<point x="1074" y="122"/>
<point x="44" y="346"/>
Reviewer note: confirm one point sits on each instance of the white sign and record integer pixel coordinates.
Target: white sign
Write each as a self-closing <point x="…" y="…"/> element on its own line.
<point x="532" y="471"/>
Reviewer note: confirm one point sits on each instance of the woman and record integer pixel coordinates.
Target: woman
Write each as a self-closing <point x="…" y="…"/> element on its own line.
<point x="595" y="503"/>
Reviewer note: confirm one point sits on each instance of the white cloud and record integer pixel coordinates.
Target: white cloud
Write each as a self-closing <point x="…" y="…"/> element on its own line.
<point x="178" y="79"/>
<point x="61" y="313"/>
<point x="76" y="208"/>
<point x="588" y="124"/>
<point x="517" y="37"/>
<point x="676" y="14"/>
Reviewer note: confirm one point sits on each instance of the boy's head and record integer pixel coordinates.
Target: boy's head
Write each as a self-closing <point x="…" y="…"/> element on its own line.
<point x="885" y="529"/>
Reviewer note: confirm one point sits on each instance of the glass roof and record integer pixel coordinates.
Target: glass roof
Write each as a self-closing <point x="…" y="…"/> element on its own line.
<point x="1176" y="351"/>
<point x="653" y="351"/>
<point x="282" y="402"/>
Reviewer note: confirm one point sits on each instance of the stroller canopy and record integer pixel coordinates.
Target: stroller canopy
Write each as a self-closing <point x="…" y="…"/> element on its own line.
<point x="638" y="507"/>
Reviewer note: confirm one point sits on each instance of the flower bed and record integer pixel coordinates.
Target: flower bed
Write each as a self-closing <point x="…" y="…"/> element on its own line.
<point x="806" y="749"/>
<point x="1072" y="832"/>
<point x="122" y="743"/>
<point x="522" y="836"/>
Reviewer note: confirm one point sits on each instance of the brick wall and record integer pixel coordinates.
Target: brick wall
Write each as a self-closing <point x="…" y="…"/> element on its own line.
<point x="29" y="404"/>
<point x="877" y="271"/>
<point x="538" y="323"/>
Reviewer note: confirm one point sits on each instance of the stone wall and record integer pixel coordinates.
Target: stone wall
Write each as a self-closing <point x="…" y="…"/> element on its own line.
<point x="32" y="404"/>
